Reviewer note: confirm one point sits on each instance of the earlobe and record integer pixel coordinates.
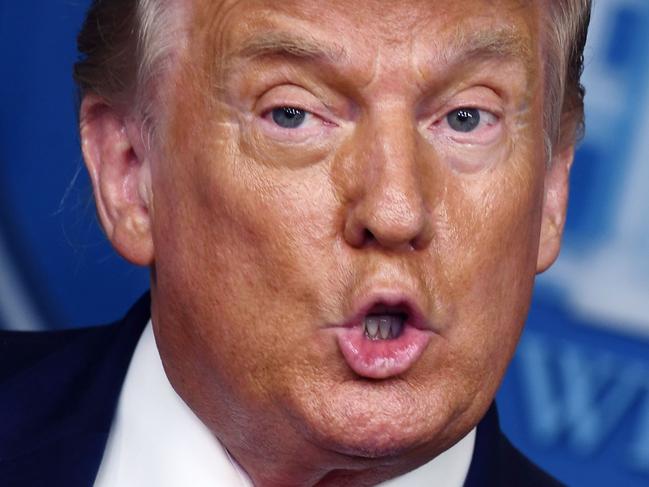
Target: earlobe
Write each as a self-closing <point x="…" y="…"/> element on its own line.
<point x="554" y="208"/>
<point x="117" y="163"/>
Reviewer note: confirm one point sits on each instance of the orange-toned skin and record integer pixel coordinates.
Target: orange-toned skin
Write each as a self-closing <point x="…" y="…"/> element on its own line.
<point x="260" y="239"/>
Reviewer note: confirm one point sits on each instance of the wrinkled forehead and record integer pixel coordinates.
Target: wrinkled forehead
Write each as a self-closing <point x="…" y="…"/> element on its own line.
<point x="223" y="29"/>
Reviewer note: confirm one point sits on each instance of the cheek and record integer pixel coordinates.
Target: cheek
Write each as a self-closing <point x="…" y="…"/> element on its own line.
<point x="247" y="249"/>
<point x="489" y="256"/>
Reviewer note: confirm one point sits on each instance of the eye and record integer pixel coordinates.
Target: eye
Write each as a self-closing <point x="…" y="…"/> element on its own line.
<point x="464" y="119"/>
<point x="291" y="115"/>
<point x="288" y="117"/>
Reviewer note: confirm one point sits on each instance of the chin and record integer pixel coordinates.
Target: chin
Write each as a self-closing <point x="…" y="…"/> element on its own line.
<point x="379" y="419"/>
<point x="375" y="444"/>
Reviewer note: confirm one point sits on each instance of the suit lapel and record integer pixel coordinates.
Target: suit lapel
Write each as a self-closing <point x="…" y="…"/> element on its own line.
<point x="483" y="471"/>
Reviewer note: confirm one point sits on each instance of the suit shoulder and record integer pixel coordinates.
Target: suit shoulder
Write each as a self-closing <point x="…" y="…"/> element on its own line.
<point x="58" y="394"/>
<point x="517" y="469"/>
<point x="498" y="463"/>
<point x="23" y="350"/>
<point x="20" y="350"/>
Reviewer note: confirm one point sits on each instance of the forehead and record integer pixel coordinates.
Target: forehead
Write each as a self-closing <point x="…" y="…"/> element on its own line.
<point x="366" y="25"/>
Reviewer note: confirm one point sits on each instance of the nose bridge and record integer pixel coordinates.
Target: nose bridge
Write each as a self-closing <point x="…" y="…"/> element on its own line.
<point x="391" y="210"/>
<point x="394" y="160"/>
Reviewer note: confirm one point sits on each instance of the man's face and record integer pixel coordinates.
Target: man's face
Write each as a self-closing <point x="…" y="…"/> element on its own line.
<point x="328" y="162"/>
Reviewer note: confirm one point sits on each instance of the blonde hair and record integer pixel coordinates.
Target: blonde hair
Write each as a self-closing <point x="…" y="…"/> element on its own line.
<point x="125" y="46"/>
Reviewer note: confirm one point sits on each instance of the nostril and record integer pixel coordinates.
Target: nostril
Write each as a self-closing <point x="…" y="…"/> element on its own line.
<point x="365" y="232"/>
<point x="368" y="237"/>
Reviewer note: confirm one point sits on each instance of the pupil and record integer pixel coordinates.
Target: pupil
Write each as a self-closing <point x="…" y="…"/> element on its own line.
<point x="288" y="117"/>
<point x="464" y="119"/>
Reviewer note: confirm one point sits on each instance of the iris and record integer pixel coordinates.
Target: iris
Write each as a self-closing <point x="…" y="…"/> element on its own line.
<point x="288" y="117"/>
<point x="464" y="119"/>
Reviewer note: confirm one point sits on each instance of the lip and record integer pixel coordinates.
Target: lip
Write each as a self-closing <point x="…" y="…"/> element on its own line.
<point x="382" y="359"/>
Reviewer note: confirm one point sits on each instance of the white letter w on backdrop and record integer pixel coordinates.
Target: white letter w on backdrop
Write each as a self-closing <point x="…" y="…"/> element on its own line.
<point x="575" y="396"/>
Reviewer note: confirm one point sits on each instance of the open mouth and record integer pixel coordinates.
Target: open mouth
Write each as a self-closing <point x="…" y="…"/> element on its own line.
<point x="384" y="339"/>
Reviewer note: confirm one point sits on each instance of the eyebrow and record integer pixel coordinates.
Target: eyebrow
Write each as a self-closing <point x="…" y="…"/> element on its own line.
<point x="503" y="43"/>
<point x="283" y="44"/>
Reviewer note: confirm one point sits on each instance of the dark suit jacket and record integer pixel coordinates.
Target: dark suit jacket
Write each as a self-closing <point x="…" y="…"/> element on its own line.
<point x="59" y="391"/>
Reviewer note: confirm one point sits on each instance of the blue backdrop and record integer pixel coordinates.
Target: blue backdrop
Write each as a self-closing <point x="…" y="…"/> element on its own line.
<point x="576" y="398"/>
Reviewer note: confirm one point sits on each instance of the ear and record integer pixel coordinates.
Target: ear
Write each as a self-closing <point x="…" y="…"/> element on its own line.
<point x="115" y="156"/>
<point x="555" y="204"/>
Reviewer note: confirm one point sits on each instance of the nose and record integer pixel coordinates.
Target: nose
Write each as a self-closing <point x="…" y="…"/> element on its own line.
<point x="386" y="198"/>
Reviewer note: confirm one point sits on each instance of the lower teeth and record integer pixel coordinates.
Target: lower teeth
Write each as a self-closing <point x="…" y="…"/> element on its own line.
<point x="383" y="327"/>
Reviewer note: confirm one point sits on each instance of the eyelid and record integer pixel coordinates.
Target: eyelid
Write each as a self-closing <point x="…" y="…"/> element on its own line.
<point x="481" y="97"/>
<point x="289" y="96"/>
<point x="267" y="111"/>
